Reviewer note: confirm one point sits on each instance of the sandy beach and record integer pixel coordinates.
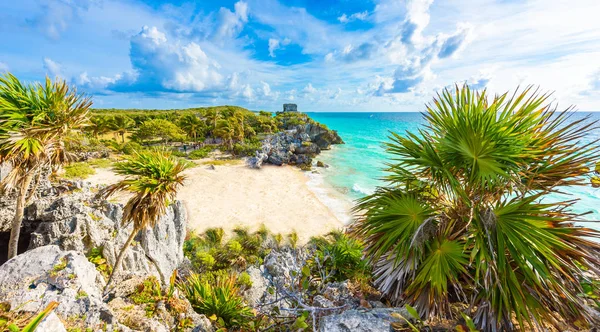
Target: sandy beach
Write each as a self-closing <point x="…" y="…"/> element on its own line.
<point x="233" y="195"/>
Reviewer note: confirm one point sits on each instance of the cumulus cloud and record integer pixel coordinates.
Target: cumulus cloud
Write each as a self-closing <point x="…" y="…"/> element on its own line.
<point x="360" y="16"/>
<point x="231" y="23"/>
<point x="53" y="69"/>
<point x="163" y="65"/>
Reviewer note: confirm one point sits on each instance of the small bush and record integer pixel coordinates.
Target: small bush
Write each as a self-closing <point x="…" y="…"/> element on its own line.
<point x="221" y="300"/>
<point x="199" y="153"/>
<point x="79" y="171"/>
<point x="214" y="236"/>
<point x="341" y="256"/>
<point x="246" y="149"/>
<point x="95" y="256"/>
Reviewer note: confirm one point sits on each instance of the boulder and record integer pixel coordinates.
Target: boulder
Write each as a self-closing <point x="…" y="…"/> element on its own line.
<point x="372" y="320"/>
<point x="32" y="280"/>
<point x="322" y="164"/>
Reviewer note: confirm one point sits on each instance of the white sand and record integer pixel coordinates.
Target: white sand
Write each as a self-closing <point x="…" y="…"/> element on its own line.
<point x="234" y="195"/>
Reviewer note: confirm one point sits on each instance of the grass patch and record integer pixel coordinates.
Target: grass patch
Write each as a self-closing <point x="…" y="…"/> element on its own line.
<point x="222" y="162"/>
<point x="100" y="163"/>
<point x="79" y="171"/>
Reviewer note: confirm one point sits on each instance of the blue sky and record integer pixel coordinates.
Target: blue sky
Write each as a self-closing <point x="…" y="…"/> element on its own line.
<point x="341" y="55"/>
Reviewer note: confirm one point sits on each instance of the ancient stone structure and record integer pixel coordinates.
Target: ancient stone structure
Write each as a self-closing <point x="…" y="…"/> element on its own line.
<point x="290" y="108"/>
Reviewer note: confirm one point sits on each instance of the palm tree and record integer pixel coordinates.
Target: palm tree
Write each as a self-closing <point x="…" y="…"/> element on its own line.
<point x="226" y="130"/>
<point x="462" y="219"/>
<point x="153" y="177"/>
<point x="212" y="117"/>
<point x="240" y="132"/>
<point x="192" y="125"/>
<point x="99" y="125"/>
<point x="35" y="121"/>
<point x="121" y="124"/>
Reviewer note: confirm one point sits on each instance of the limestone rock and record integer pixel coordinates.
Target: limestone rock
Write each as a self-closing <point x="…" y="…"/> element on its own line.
<point x="259" y="287"/>
<point x="372" y="320"/>
<point x="76" y="222"/>
<point x="51" y="324"/>
<point x="37" y="277"/>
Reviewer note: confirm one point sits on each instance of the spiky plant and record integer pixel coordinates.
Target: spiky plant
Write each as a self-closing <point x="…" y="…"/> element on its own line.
<point x="462" y="218"/>
<point x="153" y="178"/>
<point x="35" y="121"/>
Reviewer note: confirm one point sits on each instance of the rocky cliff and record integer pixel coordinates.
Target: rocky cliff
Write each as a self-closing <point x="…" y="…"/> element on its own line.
<point x="296" y="146"/>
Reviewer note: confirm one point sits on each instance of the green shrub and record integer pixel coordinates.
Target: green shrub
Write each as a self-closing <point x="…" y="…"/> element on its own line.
<point x="205" y="261"/>
<point x="78" y="171"/>
<point x="214" y="236"/>
<point x="199" y="153"/>
<point x="244" y="280"/>
<point x="246" y="149"/>
<point x="95" y="256"/>
<point x="220" y="300"/>
<point x="341" y="256"/>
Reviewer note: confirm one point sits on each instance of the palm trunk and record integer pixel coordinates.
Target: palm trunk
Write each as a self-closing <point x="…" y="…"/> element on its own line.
<point x="120" y="257"/>
<point x="13" y="243"/>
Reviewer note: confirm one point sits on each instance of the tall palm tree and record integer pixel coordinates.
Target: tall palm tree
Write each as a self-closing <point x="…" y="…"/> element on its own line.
<point x="121" y="124"/>
<point x="35" y="121"/>
<point x="463" y="220"/>
<point x="212" y="117"/>
<point x="192" y="125"/>
<point x="153" y="177"/>
<point x="239" y="127"/>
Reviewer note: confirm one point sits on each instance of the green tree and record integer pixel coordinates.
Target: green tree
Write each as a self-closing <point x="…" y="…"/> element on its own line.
<point x="153" y="178"/>
<point x="193" y="126"/>
<point x="121" y="124"/>
<point x="463" y="218"/>
<point x="161" y="129"/>
<point x="99" y="125"/>
<point x="212" y="118"/>
<point x="35" y="121"/>
<point x="226" y="131"/>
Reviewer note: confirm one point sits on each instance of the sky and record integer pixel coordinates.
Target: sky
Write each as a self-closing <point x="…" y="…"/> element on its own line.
<point x="335" y="55"/>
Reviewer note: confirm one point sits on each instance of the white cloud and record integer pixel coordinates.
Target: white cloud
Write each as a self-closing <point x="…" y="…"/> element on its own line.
<point x="309" y="89"/>
<point x="273" y="45"/>
<point x="361" y="16"/>
<point x="53" y="69"/>
<point x="161" y="64"/>
<point x="232" y="23"/>
<point x="3" y="67"/>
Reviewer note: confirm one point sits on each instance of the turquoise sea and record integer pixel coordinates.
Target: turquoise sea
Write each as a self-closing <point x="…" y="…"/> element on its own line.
<point x="357" y="166"/>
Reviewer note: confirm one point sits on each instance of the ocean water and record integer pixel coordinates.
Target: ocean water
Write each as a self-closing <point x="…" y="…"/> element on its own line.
<point x="357" y="166"/>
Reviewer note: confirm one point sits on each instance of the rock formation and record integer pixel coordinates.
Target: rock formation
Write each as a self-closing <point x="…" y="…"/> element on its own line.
<point x="296" y="146"/>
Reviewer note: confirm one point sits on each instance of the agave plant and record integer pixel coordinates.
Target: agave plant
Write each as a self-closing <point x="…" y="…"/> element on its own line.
<point x="221" y="300"/>
<point x="35" y="121"/>
<point x="464" y="219"/>
<point x="153" y="177"/>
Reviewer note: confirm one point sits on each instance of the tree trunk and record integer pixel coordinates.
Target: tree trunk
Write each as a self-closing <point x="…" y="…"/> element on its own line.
<point x="13" y="243"/>
<point x="120" y="257"/>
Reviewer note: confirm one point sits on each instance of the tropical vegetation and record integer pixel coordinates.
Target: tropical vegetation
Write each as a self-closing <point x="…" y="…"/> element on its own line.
<point x="36" y="120"/>
<point x="153" y="178"/>
<point x="464" y="219"/>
